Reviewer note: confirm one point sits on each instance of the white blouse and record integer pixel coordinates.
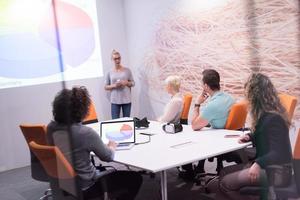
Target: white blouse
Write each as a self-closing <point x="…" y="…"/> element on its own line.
<point x="173" y="110"/>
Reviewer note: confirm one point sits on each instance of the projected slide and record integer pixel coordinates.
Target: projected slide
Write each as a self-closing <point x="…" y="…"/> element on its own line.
<point x="29" y="52"/>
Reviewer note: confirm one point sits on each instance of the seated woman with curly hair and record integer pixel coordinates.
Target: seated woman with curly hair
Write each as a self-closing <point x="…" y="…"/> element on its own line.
<point x="270" y="136"/>
<point x="70" y="107"/>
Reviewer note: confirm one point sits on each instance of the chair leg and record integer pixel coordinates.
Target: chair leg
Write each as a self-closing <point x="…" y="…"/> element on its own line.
<point x="46" y="197"/>
<point x="106" y="196"/>
<point x="48" y="191"/>
<point x="271" y="193"/>
<point x="219" y="165"/>
<point x="47" y="194"/>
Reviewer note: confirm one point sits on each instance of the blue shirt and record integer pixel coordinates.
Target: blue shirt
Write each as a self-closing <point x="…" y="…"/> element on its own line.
<point x="217" y="108"/>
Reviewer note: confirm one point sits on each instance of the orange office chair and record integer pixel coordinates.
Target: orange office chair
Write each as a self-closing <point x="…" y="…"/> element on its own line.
<point x="296" y="153"/>
<point x="289" y="103"/>
<point x="237" y="116"/>
<point x="36" y="133"/>
<point x="236" y="120"/>
<point x="59" y="170"/>
<point x="63" y="178"/>
<point x="89" y="119"/>
<point x="293" y="190"/>
<point x="92" y="115"/>
<point x="186" y="108"/>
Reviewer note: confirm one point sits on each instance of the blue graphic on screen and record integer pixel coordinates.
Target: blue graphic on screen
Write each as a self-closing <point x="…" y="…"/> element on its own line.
<point x="118" y="135"/>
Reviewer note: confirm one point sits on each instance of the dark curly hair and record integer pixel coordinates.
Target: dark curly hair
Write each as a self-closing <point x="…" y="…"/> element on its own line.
<point x="212" y="78"/>
<point x="263" y="97"/>
<point x="71" y="106"/>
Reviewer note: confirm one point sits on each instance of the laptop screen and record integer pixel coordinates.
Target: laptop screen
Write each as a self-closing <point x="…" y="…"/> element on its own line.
<point x="118" y="131"/>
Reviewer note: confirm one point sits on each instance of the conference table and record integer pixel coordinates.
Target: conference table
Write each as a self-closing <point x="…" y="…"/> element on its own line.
<point x="165" y="151"/>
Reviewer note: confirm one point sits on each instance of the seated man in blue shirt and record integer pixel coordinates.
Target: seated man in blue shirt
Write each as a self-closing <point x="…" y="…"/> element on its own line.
<point x="213" y="113"/>
<point x="216" y="110"/>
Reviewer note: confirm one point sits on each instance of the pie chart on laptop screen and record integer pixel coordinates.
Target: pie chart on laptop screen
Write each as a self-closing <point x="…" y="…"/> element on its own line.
<point x="120" y="134"/>
<point x="29" y="50"/>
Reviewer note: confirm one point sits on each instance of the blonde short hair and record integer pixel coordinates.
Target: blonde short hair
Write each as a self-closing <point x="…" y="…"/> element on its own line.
<point x="114" y="52"/>
<point x="174" y="82"/>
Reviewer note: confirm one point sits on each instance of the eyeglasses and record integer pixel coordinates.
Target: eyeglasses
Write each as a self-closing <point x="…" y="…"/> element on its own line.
<point x="118" y="58"/>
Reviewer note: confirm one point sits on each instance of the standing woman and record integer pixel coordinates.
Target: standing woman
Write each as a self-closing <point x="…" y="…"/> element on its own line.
<point x="119" y="82"/>
<point x="270" y="137"/>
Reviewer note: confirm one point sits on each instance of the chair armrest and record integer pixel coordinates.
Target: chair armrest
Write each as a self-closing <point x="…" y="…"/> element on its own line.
<point x="105" y="172"/>
<point x="279" y="175"/>
<point x="272" y="167"/>
<point x="270" y="170"/>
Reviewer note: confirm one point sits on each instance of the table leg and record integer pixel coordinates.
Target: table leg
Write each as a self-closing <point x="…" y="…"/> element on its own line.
<point x="163" y="185"/>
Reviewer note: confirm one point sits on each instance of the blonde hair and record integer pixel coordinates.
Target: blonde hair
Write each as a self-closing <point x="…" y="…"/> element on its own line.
<point x="114" y="52"/>
<point x="174" y="82"/>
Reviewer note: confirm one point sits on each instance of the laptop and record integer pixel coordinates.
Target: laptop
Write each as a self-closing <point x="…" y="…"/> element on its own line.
<point x="122" y="132"/>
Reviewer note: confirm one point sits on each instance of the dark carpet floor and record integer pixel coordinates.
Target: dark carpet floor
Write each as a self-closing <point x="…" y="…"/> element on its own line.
<point x="17" y="184"/>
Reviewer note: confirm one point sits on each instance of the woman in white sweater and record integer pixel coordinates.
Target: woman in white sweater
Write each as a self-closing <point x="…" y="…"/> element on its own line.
<point x="173" y="109"/>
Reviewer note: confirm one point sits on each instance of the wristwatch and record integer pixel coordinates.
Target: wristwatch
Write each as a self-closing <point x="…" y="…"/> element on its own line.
<point x="197" y="105"/>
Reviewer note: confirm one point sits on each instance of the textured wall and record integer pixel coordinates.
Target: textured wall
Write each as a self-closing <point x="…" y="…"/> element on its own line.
<point x="234" y="38"/>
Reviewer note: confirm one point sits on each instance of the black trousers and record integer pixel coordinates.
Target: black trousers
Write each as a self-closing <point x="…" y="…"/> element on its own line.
<point x="127" y="183"/>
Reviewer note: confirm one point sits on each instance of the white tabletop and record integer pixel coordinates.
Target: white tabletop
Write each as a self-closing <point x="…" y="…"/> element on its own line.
<point x="166" y="151"/>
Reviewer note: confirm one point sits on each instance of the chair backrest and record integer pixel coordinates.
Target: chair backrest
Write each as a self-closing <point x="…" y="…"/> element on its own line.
<point x="56" y="166"/>
<point x="53" y="161"/>
<point x="92" y="115"/>
<point x="296" y="161"/>
<point x="187" y="99"/>
<point x="237" y="116"/>
<point x="289" y="103"/>
<point x="35" y="133"/>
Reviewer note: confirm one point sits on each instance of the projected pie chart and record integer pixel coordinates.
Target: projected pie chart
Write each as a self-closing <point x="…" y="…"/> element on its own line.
<point x="33" y="53"/>
<point x="124" y="133"/>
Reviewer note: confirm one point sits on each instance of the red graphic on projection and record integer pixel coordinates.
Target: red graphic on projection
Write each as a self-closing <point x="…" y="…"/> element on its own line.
<point x="75" y="30"/>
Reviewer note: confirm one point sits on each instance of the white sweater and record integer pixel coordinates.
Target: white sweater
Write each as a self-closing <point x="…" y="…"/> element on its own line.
<point x="173" y="110"/>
